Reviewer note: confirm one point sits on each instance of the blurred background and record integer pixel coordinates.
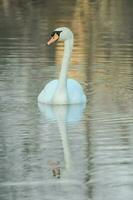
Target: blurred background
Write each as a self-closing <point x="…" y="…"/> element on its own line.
<point x="82" y="153"/>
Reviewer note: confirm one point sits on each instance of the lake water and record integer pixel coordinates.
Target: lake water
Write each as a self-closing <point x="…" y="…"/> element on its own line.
<point x="66" y="152"/>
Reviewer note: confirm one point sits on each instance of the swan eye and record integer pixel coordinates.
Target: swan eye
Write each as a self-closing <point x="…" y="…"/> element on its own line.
<point x="57" y="32"/>
<point x="52" y="34"/>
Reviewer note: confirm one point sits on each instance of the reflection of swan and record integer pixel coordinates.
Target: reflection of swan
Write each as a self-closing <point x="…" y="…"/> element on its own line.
<point x="63" y="91"/>
<point x="63" y="114"/>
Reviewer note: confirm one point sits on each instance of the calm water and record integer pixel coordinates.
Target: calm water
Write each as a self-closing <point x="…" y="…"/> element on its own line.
<point x="90" y="150"/>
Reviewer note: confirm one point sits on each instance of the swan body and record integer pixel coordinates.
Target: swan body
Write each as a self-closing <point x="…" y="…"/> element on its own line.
<point x="63" y="91"/>
<point x="75" y="94"/>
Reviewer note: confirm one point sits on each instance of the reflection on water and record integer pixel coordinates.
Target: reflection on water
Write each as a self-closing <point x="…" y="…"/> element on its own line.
<point x="63" y="115"/>
<point x="66" y="152"/>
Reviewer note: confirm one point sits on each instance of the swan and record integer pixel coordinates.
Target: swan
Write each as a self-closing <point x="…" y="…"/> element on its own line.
<point x="63" y="91"/>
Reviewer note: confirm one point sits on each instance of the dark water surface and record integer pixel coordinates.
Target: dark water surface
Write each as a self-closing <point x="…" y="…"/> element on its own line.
<point x="90" y="153"/>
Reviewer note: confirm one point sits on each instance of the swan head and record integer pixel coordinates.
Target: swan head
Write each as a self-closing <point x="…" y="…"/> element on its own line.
<point x="60" y="34"/>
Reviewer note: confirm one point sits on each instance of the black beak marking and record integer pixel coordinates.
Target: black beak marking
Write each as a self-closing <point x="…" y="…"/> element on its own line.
<point x="57" y="32"/>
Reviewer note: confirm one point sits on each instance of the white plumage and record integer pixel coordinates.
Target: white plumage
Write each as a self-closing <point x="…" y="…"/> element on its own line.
<point x="63" y="91"/>
<point x="74" y="92"/>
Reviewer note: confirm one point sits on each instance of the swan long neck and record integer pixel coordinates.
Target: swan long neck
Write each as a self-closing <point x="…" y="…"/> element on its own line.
<point x="65" y="63"/>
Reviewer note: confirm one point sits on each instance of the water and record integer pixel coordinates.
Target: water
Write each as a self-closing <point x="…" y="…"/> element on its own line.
<point x="88" y="149"/>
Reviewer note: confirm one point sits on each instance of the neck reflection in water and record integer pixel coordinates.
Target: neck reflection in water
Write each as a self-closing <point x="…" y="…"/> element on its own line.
<point x="64" y="115"/>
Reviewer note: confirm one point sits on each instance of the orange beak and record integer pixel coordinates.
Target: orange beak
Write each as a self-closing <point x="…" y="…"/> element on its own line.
<point x="53" y="39"/>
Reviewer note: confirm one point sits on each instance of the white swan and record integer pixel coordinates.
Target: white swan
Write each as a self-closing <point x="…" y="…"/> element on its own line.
<point x="63" y="91"/>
